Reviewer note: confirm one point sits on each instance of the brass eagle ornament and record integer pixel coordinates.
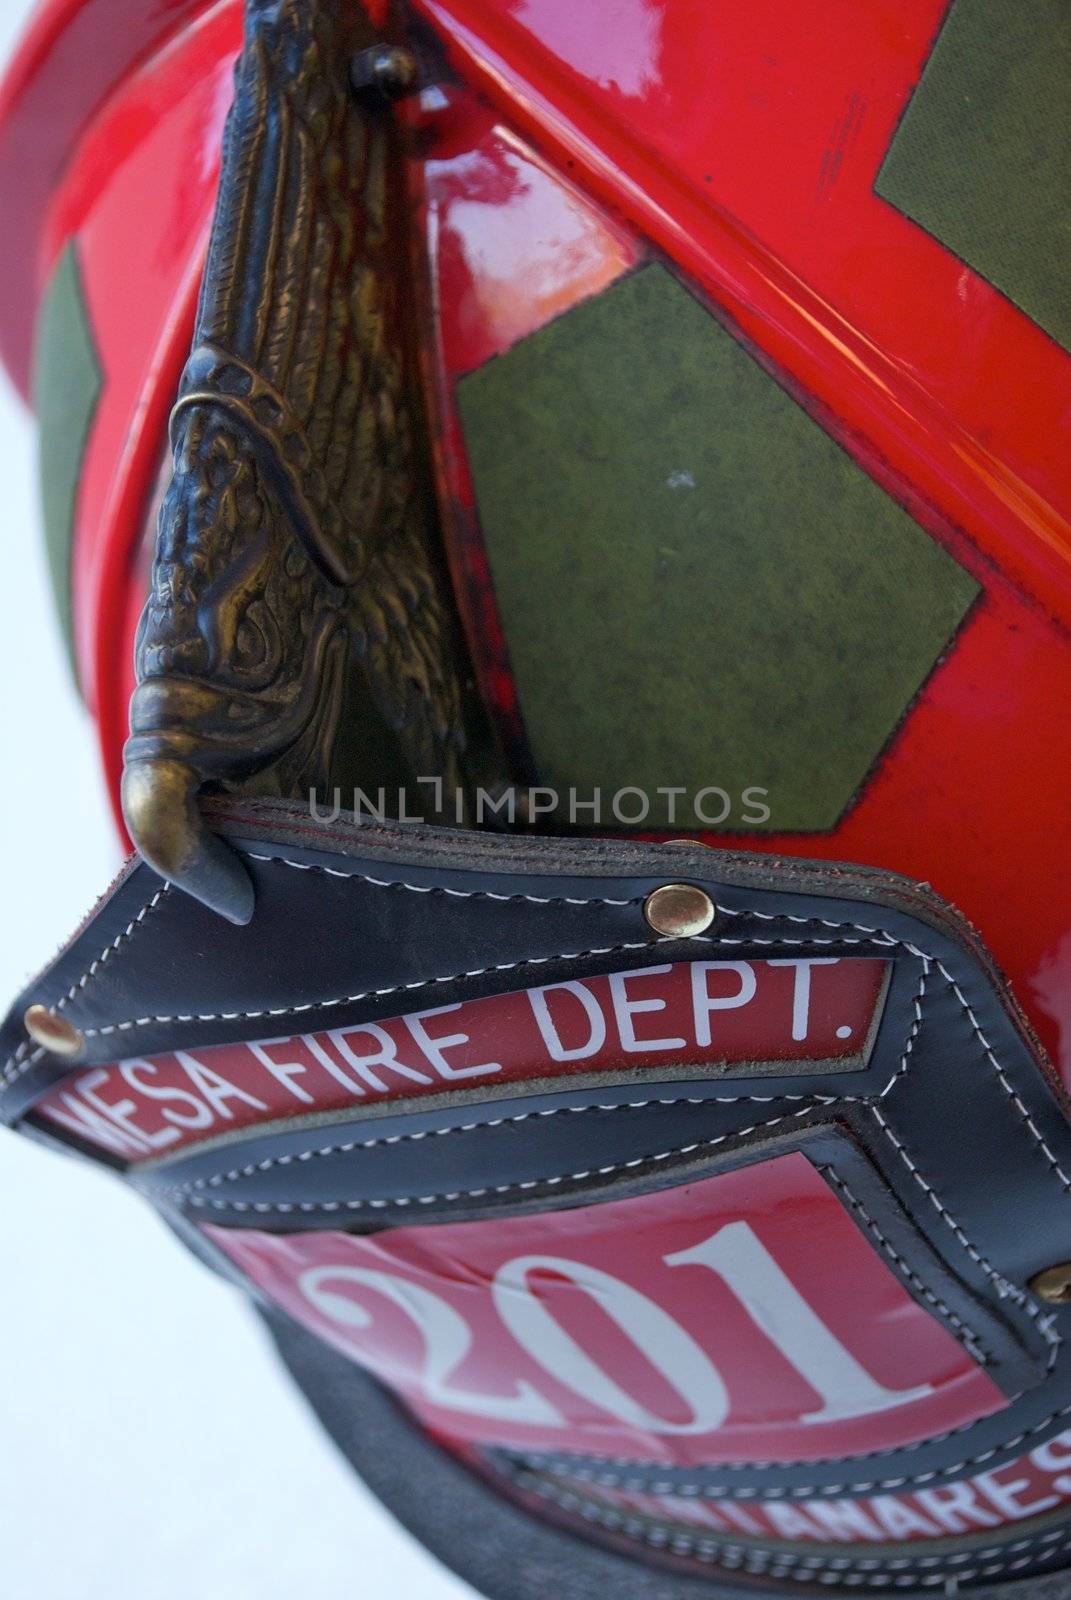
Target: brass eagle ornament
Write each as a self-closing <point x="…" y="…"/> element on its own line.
<point x="295" y="575"/>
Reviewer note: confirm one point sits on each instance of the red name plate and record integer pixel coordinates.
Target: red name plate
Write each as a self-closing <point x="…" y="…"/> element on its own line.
<point x="741" y="1317"/>
<point x="1027" y="1487"/>
<point x="710" y="1015"/>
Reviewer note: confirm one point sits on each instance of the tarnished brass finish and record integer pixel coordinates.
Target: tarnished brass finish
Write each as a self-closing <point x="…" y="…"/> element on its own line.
<point x="679" y="910"/>
<point x="1053" y="1285"/>
<point x="295" y="549"/>
<point x="53" y="1033"/>
<point x="384" y="69"/>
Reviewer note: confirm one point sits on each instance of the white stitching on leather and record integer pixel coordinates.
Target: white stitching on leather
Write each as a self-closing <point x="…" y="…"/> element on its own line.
<point x="8" y="1076"/>
<point x="458" y="894"/>
<point x="15" y="1066"/>
<point x="479" y="972"/>
<point x="902" y="1267"/>
<point x="1005" y="1290"/>
<point x="1005" y="1085"/>
<point x="1035" y="1131"/>
<point x="909" y="1043"/>
<point x="798" y="1567"/>
<point x="787" y="1558"/>
<point x="804" y="922"/>
<point x="308" y="1206"/>
<point x="879" y="937"/>
<point x="368" y="994"/>
<point x="967" y="1336"/>
<point x="270" y="1162"/>
<point x="217" y="1179"/>
<point x="12" y="1067"/>
<point x="632" y="1479"/>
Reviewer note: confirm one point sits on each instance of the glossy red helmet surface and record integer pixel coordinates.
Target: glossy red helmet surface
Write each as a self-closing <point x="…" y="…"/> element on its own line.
<point x="747" y="148"/>
<point x="748" y="431"/>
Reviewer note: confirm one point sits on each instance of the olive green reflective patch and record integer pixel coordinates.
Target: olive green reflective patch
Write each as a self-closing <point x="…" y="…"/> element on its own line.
<point x="982" y="158"/>
<point x="67" y="381"/>
<point x="698" y="586"/>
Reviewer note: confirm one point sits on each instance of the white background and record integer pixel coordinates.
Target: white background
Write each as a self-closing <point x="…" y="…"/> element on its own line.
<point x="150" y="1445"/>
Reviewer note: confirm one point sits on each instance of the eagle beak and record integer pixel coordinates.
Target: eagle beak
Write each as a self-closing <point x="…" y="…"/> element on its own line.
<point x="165" y="823"/>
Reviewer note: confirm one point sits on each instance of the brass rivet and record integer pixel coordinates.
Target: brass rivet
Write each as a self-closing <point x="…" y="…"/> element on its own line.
<point x="53" y="1033"/>
<point x="1054" y="1284"/>
<point x="679" y="910"/>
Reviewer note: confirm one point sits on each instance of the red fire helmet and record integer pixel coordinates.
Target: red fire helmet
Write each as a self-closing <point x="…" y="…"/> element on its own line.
<point x="772" y="158"/>
<point x="742" y="340"/>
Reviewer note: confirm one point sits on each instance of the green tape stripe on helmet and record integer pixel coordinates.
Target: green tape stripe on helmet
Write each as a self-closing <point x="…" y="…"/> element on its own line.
<point x="67" y="384"/>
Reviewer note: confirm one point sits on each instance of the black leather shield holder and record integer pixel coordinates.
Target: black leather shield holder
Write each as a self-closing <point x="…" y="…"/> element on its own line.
<point x="945" y="1141"/>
